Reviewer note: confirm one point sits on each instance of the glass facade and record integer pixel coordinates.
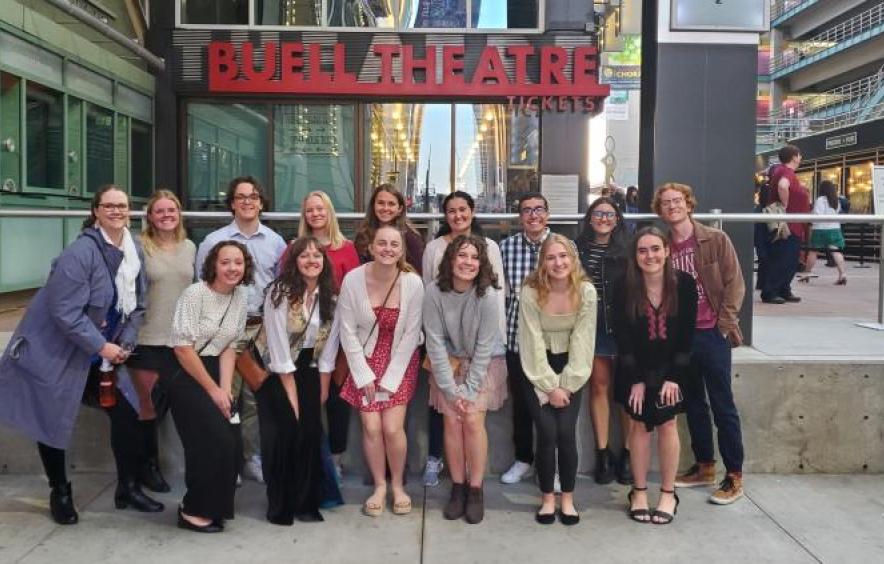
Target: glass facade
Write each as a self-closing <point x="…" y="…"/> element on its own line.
<point x="99" y="147"/>
<point x="859" y="187"/>
<point x="141" y="150"/>
<point x="387" y="14"/>
<point x="44" y="123"/>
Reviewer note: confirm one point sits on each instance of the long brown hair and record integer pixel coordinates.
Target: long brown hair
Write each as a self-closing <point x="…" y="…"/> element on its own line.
<point x="290" y="283"/>
<point x="539" y="278"/>
<point x="637" y="292"/>
<point x="371" y="223"/>
<point x="486" y="276"/>
<point x="150" y="236"/>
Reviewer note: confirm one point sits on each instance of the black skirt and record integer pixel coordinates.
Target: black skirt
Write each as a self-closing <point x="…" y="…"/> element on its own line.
<point x="290" y="447"/>
<point x="653" y="412"/>
<point x="212" y="445"/>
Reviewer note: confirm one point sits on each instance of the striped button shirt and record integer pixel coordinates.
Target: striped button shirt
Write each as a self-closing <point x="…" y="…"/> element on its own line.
<point x="519" y="259"/>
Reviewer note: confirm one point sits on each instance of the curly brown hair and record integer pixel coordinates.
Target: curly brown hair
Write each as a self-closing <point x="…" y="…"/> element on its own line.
<point x="208" y="272"/>
<point x="684" y="189"/>
<point x="484" y="279"/>
<point x="290" y="283"/>
<point x="371" y="223"/>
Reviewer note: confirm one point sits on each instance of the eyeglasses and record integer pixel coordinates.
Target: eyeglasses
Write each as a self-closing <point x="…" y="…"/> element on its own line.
<point x="247" y="197"/>
<point x="539" y="210"/>
<point x="114" y="207"/>
<point x="675" y="202"/>
<point x="599" y="214"/>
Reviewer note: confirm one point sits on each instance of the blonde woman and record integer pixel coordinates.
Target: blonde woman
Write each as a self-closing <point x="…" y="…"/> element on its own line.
<point x="168" y="268"/>
<point x="557" y="315"/>
<point x="380" y="313"/>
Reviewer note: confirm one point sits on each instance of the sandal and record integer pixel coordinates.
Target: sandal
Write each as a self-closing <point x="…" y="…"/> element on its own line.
<point x="638" y="515"/>
<point x="402" y="507"/>
<point x="373" y="508"/>
<point x="664" y="518"/>
<point x="841" y="281"/>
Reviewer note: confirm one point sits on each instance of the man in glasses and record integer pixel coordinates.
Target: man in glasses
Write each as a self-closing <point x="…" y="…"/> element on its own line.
<point x="519" y="253"/>
<point x="708" y="255"/>
<point x="245" y="200"/>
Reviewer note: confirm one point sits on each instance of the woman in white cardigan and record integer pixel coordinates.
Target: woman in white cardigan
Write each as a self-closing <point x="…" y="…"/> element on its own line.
<point x="380" y="313"/>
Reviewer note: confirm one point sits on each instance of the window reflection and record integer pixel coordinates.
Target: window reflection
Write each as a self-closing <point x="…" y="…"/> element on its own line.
<point x="288" y="12"/>
<point x="215" y="12"/>
<point x="45" y="137"/>
<point x="99" y="147"/>
<point x="859" y="188"/>
<point x="503" y="14"/>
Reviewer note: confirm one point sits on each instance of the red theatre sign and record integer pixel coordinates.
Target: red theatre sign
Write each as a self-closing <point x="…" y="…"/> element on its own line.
<point x="440" y="73"/>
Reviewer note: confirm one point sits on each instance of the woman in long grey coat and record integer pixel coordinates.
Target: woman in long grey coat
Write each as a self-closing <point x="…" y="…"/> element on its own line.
<point x="88" y="312"/>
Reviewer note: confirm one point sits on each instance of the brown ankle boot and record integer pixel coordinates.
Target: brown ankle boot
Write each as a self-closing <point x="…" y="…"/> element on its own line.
<point x="475" y="508"/>
<point x="456" y="503"/>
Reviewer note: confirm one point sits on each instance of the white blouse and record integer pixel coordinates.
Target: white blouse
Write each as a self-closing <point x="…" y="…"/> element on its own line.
<point x="276" y="328"/>
<point x="206" y="318"/>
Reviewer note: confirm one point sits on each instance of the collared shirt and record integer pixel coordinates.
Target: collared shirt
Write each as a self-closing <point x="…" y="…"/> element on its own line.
<point x="519" y="256"/>
<point x="265" y="246"/>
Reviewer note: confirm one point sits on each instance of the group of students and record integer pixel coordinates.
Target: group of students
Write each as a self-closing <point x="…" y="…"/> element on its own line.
<point x="345" y="325"/>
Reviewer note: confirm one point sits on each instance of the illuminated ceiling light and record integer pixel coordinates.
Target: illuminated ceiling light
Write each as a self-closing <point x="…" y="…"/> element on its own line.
<point x="483" y="128"/>
<point x="489" y="115"/>
<point x="402" y="136"/>
<point x="398" y="125"/>
<point x="374" y="136"/>
<point x="396" y="115"/>
<point x="479" y="137"/>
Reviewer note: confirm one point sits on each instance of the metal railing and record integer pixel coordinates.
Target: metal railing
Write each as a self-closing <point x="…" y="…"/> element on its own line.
<point x="717" y="219"/>
<point x="780" y="7"/>
<point x="778" y="130"/>
<point x="799" y="51"/>
<point x="852" y="93"/>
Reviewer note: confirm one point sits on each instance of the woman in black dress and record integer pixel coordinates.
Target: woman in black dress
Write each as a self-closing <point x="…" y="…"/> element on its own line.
<point x="655" y="316"/>
<point x="302" y="340"/>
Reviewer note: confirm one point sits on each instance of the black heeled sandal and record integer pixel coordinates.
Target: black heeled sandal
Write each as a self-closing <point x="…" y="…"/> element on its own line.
<point x="637" y="514"/>
<point x="663" y="517"/>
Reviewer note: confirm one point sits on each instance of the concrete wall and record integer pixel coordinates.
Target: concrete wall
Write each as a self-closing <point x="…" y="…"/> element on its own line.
<point x="797" y="418"/>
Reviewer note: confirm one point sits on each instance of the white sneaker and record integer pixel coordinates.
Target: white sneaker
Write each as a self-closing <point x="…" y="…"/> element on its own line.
<point x="253" y="469"/>
<point x="432" y="470"/>
<point x="516" y="472"/>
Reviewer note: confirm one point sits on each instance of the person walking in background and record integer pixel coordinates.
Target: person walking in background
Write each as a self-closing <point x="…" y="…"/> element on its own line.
<point x="519" y="254"/>
<point x="458" y="208"/>
<point x="557" y="315"/>
<point x="783" y="255"/>
<point x="245" y="200"/>
<point x="708" y="255"/>
<point x="168" y="269"/>
<point x="465" y="347"/>
<point x="827" y="236"/>
<point x="301" y="336"/>
<point x="380" y="315"/>
<point x="81" y="322"/>
<point x="602" y="248"/>
<point x="209" y="318"/>
<point x="655" y="317"/>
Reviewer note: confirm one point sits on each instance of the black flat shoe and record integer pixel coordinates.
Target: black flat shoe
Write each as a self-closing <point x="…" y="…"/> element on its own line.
<point x="545" y="518"/>
<point x="568" y="520"/>
<point x="664" y="518"/>
<point x="792" y="299"/>
<point x="310" y="517"/>
<point x="212" y="527"/>
<point x="129" y="494"/>
<point x="61" y="505"/>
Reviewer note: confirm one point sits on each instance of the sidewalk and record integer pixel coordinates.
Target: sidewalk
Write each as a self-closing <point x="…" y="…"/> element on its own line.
<point x="783" y="519"/>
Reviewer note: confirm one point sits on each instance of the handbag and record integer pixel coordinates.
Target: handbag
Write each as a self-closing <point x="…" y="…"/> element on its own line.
<point x="778" y="230"/>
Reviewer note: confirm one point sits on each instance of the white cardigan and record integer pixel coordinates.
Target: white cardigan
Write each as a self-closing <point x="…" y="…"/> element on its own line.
<point x="357" y="318"/>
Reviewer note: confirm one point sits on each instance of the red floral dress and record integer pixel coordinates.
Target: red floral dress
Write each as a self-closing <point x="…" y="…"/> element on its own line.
<point x="378" y="363"/>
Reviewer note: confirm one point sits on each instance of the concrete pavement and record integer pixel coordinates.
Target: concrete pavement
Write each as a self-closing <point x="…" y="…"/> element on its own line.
<point x="783" y="519"/>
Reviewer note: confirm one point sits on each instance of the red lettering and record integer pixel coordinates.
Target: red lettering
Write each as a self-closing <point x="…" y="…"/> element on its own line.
<point x="410" y="64"/>
<point x="552" y="65"/>
<point x="292" y="56"/>
<point x="563" y="103"/>
<point x="340" y="66"/>
<point x="546" y="103"/>
<point x="588" y="104"/>
<point x="585" y="64"/>
<point x="452" y="65"/>
<point x="490" y="67"/>
<point x="222" y="63"/>
<point x="531" y="104"/>
<point x="520" y="53"/>
<point x="386" y="53"/>
<point x="315" y="66"/>
<point x="248" y="62"/>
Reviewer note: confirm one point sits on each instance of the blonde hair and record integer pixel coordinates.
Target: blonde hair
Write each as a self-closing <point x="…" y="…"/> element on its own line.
<point x="149" y="235"/>
<point x="685" y="191"/>
<point x="335" y="237"/>
<point x="402" y="264"/>
<point x="539" y="278"/>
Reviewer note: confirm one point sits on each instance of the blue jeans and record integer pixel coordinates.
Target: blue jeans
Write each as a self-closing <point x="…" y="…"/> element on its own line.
<point x="711" y="374"/>
<point x="781" y="267"/>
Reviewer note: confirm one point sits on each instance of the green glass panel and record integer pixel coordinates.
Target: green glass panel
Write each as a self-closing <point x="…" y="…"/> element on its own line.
<point x="10" y="131"/>
<point x="313" y="149"/>
<point x="142" y="159"/>
<point x="75" y="146"/>
<point x="27" y="247"/>
<point x="99" y="147"/>
<point x="44" y="128"/>
<point x="121" y="152"/>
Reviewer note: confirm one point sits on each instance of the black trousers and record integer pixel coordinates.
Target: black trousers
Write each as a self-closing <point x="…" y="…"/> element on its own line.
<point x="290" y="446"/>
<point x="556" y="433"/>
<point x="781" y="267"/>
<point x="523" y="426"/>
<point x="127" y="444"/>
<point x="337" y="413"/>
<point x="212" y="446"/>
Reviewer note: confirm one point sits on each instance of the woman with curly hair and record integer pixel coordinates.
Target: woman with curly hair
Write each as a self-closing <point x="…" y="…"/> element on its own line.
<point x="557" y="311"/>
<point x="386" y="207"/>
<point x="465" y="348"/>
<point x="209" y="317"/>
<point x="302" y="341"/>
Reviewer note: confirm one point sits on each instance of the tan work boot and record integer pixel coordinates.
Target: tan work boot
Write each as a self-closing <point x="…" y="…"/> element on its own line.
<point x="729" y="491"/>
<point x="700" y="474"/>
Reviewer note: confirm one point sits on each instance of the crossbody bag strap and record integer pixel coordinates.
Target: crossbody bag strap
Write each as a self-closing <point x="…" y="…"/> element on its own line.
<point x="295" y="337"/>
<point x="387" y="297"/>
<point x="220" y="324"/>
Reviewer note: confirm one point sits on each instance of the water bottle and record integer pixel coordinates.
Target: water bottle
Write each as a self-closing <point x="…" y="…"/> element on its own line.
<point x="107" y="393"/>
